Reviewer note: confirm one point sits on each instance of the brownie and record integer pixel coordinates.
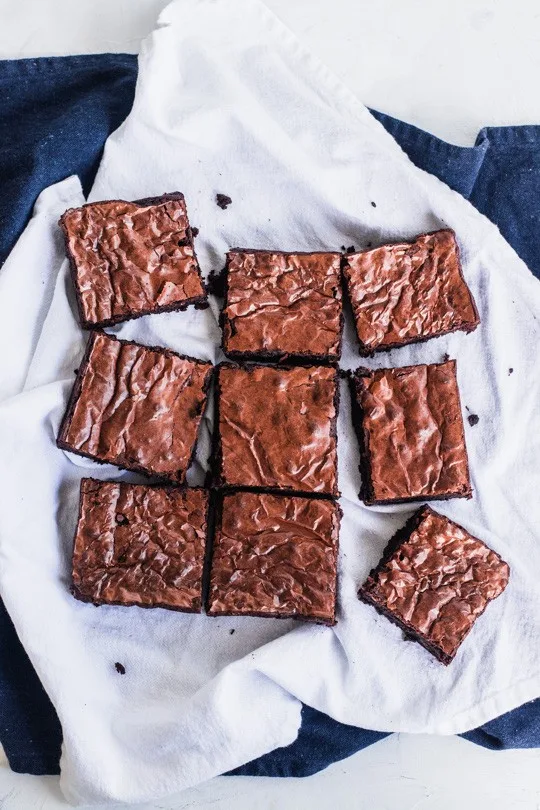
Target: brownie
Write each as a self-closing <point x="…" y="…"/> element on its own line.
<point x="434" y="580"/>
<point x="140" y="545"/>
<point x="276" y="428"/>
<point x="136" y="407"/>
<point x="275" y="556"/>
<point x="409" y="292"/>
<point x="132" y="258"/>
<point x="410" y="430"/>
<point x="283" y="306"/>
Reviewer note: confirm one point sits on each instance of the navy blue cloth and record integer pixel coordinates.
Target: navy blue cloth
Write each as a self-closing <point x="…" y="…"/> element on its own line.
<point x="55" y="116"/>
<point x="500" y="175"/>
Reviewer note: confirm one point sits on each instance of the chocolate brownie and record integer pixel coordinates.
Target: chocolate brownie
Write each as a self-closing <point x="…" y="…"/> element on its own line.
<point x="434" y="580"/>
<point x="136" y="407"/>
<point x="277" y="428"/>
<point x="410" y="430"/>
<point x="132" y="258"/>
<point x="140" y="545"/>
<point x="283" y="306"/>
<point x="275" y="556"/>
<point x="409" y="292"/>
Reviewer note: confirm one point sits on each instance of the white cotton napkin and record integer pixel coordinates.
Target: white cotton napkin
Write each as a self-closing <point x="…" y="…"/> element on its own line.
<point x="227" y="101"/>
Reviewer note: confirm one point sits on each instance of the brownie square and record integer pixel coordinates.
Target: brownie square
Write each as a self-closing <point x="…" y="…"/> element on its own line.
<point x="277" y="428"/>
<point x="409" y="292"/>
<point x="136" y="407"/>
<point x="283" y="306"/>
<point x="275" y="556"/>
<point x="140" y="545"/>
<point x="434" y="580"/>
<point x="130" y="259"/>
<point x="410" y="430"/>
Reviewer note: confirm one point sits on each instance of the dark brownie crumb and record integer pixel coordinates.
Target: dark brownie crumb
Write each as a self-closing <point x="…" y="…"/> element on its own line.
<point x="446" y="357"/>
<point x="75" y="370"/>
<point x="369" y="244"/>
<point x="473" y="419"/>
<point x="194" y="231"/>
<point x="374" y="204"/>
<point x="510" y="371"/>
<point x="349" y="249"/>
<point x="217" y="282"/>
<point x="231" y="631"/>
<point x="223" y="201"/>
<point x="120" y="668"/>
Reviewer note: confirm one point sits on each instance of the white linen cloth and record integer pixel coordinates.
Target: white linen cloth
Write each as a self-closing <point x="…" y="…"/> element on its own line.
<point x="228" y="101"/>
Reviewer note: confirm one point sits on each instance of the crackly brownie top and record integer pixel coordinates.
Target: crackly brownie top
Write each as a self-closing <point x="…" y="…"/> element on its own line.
<point x="413" y="431"/>
<point x="287" y="303"/>
<point x="139" y="545"/>
<point x="277" y="427"/>
<point x="438" y="581"/>
<point x="275" y="555"/>
<point x="131" y="258"/>
<point x="137" y="407"/>
<point x="403" y="292"/>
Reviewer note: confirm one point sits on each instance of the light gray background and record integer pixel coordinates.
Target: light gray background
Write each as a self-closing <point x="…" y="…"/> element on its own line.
<point x="450" y="67"/>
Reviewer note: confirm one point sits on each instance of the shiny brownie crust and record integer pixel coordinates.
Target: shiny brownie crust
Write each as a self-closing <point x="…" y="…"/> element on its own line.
<point x="135" y="461"/>
<point x="260" y="337"/>
<point x="282" y="480"/>
<point x="409" y="292"/>
<point x="274" y="556"/>
<point x="148" y="303"/>
<point x="140" y="545"/>
<point x="447" y="424"/>
<point x="433" y="581"/>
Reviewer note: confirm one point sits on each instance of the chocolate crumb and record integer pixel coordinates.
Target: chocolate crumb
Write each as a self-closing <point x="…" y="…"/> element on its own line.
<point x="369" y="244"/>
<point x="194" y="231"/>
<point x="473" y="419"/>
<point x="349" y="249"/>
<point x="223" y="201"/>
<point x="374" y="204"/>
<point x="510" y="371"/>
<point x="446" y="357"/>
<point x="75" y="370"/>
<point x="231" y="631"/>
<point x="216" y="283"/>
<point x="120" y="668"/>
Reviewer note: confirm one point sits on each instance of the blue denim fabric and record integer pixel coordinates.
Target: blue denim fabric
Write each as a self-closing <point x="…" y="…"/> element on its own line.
<point x="55" y="116"/>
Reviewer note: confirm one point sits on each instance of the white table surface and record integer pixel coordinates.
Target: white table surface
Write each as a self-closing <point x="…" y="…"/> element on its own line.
<point x="449" y="67"/>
